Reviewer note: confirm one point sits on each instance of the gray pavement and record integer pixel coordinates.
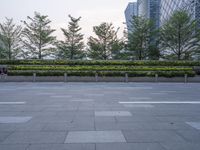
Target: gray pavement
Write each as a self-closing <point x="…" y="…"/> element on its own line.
<point x="99" y="116"/>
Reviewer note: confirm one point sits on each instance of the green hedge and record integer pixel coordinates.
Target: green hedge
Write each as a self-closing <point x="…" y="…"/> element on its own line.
<point x="103" y="63"/>
<point x="98" y="68"/>
<point x="108" y="74"/>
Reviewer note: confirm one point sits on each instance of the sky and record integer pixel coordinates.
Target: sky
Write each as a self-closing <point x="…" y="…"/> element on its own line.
<point x="93" y="12"/>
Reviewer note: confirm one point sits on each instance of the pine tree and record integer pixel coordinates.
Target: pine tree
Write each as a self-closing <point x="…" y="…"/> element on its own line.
<point x="37" y="37"/>
<point x="10" y="34"/>
<point x="106" y="45"/>
<point x="73" y="46"/>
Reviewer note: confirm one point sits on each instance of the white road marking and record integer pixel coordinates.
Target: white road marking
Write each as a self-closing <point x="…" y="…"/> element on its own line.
<point x="140" y="98"/>
<point x="12" y="103"/>
<point x="138" y="105"/>
<point x="82" y="100"/>
<point x="94" y="94"/>
<point x="45" y="93"/>
<point x="168" y="91"/>
<point x="61" y="96"/>
<point x="158" y="93"/>
<point x="163" y="102"/>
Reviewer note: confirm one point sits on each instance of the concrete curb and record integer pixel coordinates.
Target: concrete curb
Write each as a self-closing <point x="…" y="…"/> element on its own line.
<point x="66" y="78"/>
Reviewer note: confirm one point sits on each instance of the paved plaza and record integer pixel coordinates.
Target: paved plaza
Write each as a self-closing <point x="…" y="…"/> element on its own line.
<point x="99" y="116"/>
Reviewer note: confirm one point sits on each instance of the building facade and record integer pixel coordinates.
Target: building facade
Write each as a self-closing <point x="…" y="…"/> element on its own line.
<point x="150" y="9"/>
<point x="161" y="10"/>
<point x="130" y="11"/>
<point x="167" y="7"/>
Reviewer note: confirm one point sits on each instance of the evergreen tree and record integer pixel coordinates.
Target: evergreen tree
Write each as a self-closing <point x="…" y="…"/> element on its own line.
<point x="197" y="52"/>
<point x="73" y="46"/>
<point x="9" y="39"/>
<point x="178" y="36"/>
<point x="106" y="45"/>
<point x="142" y="39"/>
<point x="37" y="37"/>
<point x="2" y="50"/>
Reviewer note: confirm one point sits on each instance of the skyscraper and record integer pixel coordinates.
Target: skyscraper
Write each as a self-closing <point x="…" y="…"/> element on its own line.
<point x="130" y="11"/>
<point x="167" y="7"/>
<point x="197" y="12"/>
<point x="150" y="9"/>
<point x="160" y="10"/>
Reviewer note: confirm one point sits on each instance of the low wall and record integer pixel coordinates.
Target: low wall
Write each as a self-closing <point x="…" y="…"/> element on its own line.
<point x="95" y="79"/>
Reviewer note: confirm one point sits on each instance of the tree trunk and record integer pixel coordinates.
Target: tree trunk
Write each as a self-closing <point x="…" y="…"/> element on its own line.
<point x="9" y="51"/>
<point x="140" y="51"/>
<point x="71" y="55"/>
<point x="40" y="54"/>
<point x="9" y="54"/>
<point x="179" y="43"/>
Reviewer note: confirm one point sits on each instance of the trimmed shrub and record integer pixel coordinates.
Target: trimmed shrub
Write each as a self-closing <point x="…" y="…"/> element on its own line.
<point x="108" y="74"/>
<point x="99" y="68"/>
<point x="101" y="63"/>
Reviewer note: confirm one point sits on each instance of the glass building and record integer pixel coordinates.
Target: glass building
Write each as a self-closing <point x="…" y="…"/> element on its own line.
<point x="167" y="7"/>
<point x="130" y="11"/>
<point x="150" y="9"/>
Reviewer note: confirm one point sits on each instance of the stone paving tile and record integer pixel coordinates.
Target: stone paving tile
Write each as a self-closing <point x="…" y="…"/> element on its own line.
<point x="136" y="119"/>
<point x="190" y="135"/>
<point x="105" y="119"/>
<point x="130" y="146"/>
<point x="30" y="126"/>
<point x="112" y="113"/>
<point x="35" y="137"/>
<point x="73" y="126"/>
<point x="176" y="118"/>
<point x="86" y="113"/>
<point x="152" y="136"/>
<point x="62" y="147"/>
<point x="52" y="118"/>
<point x="4" y="135"/>
<point x="140" y="99"/>
<point x="195" y="125"/>
<point x="14" y="147"/>
<point x="84" y="120"/>
<point x="95" y="137"/>
<point x="180" y="146"/>
<point x="7" y="127"/>
<point x="61" y="96"/>
<point x="14" y="119"/>
<point x="140" y="126"/>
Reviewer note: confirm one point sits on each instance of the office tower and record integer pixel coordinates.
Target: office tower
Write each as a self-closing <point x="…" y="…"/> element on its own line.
<point x="196" y="5"/>
<point x="130" y="11"/>
<point x="150" y="9"/>
<point x="167" y="7"/>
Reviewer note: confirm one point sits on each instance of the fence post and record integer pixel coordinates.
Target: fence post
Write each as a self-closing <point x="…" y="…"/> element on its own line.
<point x="96" y="77"/>
<point x="34" y="77"/>
<point x="156" y="77"/>
<point x="126" y="77"/>
<point x="65" y="77"/>
<point x="186" y="78"/>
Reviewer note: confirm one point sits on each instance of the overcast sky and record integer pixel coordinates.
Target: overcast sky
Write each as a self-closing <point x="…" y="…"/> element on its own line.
<point x="93" y="12"/>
